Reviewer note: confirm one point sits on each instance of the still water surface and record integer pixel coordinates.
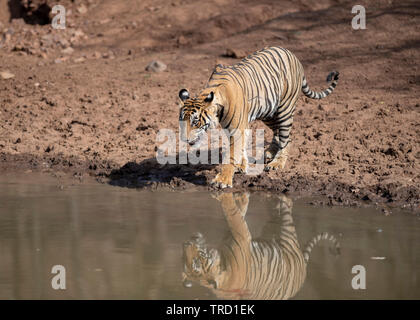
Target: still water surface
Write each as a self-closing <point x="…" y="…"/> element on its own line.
<point x="119" y="243"/>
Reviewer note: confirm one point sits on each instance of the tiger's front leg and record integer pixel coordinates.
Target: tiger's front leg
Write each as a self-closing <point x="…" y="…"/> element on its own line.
<point x="224" y="179"/>
<point x="238" y="161"/>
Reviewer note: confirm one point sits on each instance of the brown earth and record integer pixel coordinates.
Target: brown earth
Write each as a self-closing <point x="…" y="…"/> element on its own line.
<point x="94" y="110"/>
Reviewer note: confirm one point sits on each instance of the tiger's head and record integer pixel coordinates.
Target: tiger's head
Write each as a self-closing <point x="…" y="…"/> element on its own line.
<point x="201" y="264"/>
<point x="196" y="115"/>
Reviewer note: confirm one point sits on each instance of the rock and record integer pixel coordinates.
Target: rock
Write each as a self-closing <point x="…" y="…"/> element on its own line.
<point x="49" y="148"/>
<point x="108" y="55"/>
<point x="96" y="55"/>
<point x="79" y="60"/>
<point x="7" y="35"/>
<point x="104" y="21"/>
<point x="47" y="40"/>
<point x="235" y="53"/>
<point x="78" y="33"/>
<point x="153" y="9"/>
<point x="182" y="41"/>
<point x="6" y="75"/>
<point x="82" y="9"/>
<point x="60" y="60"/>
<point x="156" y="66"/>
<point x="68" y="50"/>
<point x="63" y="42"/>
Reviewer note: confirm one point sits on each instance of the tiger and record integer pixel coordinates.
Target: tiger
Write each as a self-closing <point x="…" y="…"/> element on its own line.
<point x="263" y="86"/>
<point x="272" y="267"/>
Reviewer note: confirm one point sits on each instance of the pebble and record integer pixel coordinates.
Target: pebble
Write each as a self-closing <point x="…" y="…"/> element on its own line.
<point x="6" y="75"/>
<point x="108" y="55"/>
<point x="79" y="60"/>
<point x="60" y="60"/>
<point x="97" y="55"/>
<point x="182" y="40"/>
<point x="104" y="21"/>
<point x="156" y="66"/>
<point x="82" y="9"/>
<point x="68" y="50"/>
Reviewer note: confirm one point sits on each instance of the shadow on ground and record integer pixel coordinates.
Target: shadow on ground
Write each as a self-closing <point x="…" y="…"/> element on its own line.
<point x="150" y="173"/>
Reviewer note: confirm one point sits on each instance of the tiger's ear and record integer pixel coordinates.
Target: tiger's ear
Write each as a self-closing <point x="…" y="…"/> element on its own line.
<point x="183" y="94"/>
<point x="209" y="98"/>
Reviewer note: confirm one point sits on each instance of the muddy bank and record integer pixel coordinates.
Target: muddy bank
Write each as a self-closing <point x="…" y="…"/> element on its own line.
<point x="150" y="175"/>
<point x="80" y="102"/>
<point x="325" y="191"/>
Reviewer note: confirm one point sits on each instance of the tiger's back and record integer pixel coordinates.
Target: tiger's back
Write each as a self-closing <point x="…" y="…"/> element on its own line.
<point x="265" y="82"/>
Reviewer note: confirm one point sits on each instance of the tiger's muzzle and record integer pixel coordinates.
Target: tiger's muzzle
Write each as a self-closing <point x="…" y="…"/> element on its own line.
<point x="191" y="135"/>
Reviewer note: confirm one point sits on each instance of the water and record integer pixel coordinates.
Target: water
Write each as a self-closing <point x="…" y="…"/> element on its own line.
<point x="118" y="243"/>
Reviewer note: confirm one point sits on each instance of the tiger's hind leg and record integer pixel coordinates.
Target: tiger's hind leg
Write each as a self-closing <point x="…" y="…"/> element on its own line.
<point x="281" y="124"/>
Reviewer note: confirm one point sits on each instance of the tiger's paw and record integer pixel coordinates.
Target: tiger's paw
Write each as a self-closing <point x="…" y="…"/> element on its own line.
<point x="222" y="181"/>
<point x="243" y="167"/>
<point x="268" y="156"/>
<point x="276" y="164"/>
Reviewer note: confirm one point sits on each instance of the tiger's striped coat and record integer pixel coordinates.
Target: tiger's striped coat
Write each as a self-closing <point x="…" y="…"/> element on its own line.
<point x="264" y="86"/>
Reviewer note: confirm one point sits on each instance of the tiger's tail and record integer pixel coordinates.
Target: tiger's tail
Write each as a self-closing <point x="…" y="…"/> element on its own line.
<point x="335" y="250"/>
<point x="333" y="76"/>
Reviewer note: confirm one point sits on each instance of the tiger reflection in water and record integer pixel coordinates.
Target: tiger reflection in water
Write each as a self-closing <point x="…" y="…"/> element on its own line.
<point x="270" y="267"/>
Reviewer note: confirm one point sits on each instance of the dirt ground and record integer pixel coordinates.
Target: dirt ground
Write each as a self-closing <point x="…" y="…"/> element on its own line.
<point x="79" y="101"/>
